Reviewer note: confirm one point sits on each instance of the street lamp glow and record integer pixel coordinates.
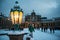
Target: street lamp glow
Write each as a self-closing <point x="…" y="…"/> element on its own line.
<point x="20" y="17"/>
<point x="12" y="17"/>
<point x="16" y="15"/>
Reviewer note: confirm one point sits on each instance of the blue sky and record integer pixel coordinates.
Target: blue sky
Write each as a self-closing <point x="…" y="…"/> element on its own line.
<point x="47" y="8"/>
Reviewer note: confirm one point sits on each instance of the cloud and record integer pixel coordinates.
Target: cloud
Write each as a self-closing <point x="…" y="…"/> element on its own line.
<point x="44" y="7"/>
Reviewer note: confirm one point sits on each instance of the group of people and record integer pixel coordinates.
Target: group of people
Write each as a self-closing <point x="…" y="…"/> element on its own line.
<point x="43" y="28"/>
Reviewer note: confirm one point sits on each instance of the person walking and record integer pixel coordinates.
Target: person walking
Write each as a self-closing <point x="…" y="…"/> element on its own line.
<point x="31" y="29"/>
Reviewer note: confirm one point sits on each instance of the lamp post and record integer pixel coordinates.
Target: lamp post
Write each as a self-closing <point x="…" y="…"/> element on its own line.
<point x="16" y="14"/>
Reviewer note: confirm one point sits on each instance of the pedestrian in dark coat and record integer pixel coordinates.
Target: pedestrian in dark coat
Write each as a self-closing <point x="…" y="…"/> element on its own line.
<point x="31" y="29"/>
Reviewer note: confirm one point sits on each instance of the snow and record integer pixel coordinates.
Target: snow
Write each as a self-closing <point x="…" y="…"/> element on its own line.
<point x="15" y="32"/>
<point x="4" y="37"/>
<point x="37" y="35"/>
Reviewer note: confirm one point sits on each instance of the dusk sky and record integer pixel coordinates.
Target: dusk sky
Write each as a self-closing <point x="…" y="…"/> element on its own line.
<point x="45" y="8"/>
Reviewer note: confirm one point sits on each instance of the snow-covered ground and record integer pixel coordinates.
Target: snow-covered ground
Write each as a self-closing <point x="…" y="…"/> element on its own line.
<point x="37" y="35"/>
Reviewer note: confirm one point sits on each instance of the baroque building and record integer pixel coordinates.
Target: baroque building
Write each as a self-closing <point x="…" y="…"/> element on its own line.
<point x="5" y="22"/>
<point x="33" y="19"/>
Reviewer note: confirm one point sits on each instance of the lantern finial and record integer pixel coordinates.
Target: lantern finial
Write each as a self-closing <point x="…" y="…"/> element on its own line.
<point x="16" y="2"/>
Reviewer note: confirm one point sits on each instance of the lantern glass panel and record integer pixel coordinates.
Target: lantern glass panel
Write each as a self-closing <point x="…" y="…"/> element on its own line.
<point x="12" y="17"/>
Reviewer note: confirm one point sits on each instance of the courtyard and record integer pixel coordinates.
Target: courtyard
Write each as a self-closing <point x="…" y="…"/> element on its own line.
<point x="37" y="34"/>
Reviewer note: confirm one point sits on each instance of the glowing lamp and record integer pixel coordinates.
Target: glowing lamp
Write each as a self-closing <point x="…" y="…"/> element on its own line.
<point x="16" y="14"/>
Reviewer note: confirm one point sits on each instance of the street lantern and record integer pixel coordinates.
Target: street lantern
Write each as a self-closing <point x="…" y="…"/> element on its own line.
<point x="16" y="14"/>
